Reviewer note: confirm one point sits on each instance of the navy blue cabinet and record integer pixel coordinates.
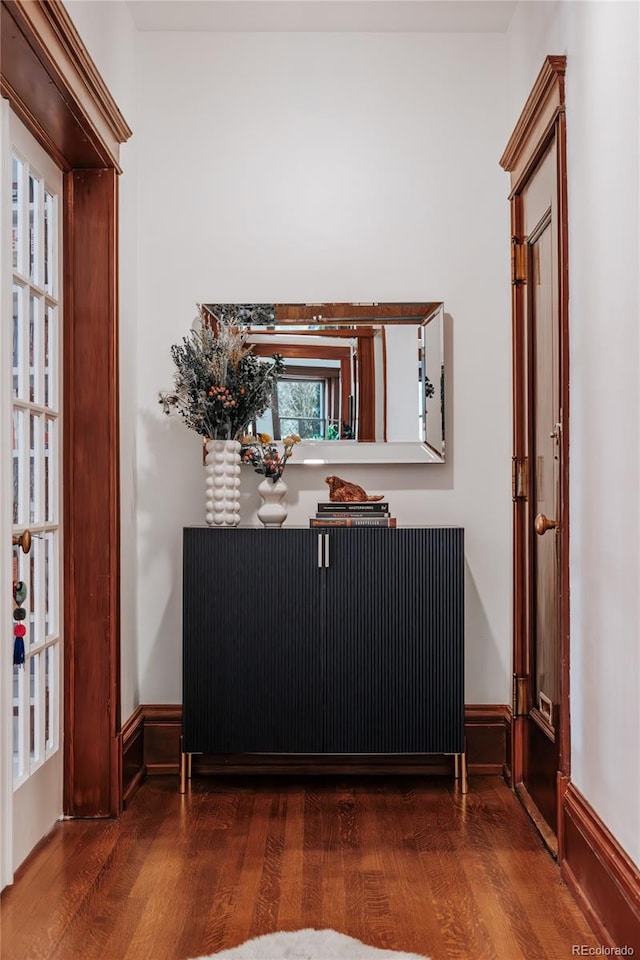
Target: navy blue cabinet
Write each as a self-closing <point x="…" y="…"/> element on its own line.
<point x="299" y="641"/>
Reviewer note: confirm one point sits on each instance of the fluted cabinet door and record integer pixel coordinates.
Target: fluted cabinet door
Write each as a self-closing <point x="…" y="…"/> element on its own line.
<point x="253" y="641"/>
<point x="395" y="636"/>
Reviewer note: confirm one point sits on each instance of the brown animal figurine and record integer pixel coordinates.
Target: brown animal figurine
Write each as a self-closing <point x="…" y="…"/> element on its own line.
<point x="341" y="491"/>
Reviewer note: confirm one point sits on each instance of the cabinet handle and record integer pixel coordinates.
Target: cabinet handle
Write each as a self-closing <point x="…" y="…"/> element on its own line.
<point x="320" y="553"/>
<point x="326" y="549"/>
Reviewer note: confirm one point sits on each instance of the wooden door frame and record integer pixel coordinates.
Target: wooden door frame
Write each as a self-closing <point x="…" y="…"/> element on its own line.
<point x="542" y="120"/>
<point x="54" y="87"/>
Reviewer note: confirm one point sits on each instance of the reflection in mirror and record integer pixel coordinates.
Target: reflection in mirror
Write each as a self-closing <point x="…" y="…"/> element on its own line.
<point x="348" y="372"/>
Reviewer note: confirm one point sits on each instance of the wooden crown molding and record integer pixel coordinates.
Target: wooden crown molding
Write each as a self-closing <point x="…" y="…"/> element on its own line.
<point x="543" y="105"/>
<point x="77" y="54"/>
<point x="58" y="49"/>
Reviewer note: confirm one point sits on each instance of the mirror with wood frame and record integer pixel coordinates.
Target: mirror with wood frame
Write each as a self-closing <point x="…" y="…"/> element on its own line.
<point x="363" y="382"/>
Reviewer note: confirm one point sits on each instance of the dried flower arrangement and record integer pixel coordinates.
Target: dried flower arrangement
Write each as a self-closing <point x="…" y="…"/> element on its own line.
<point x="263" y="455"/>
<point x="220" y="386"/>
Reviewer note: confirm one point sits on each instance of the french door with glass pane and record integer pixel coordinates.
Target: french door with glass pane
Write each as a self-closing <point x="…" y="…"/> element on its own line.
<point x="32" y="269"/>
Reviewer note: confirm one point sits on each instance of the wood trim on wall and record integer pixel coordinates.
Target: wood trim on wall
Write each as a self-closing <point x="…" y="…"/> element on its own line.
<point x="346" y="389"/>
<point x="383" y="331"/>
<point x="488" y="733"/>
<point x="565" y="504"/>
<point x="162" y="733"/>
<point x="346" y="333"/>
<point x="536" y="121"/>
<point x="486" y="727"/>
<point x="133" y="769"/>
<point x="601" y="876"/>
<point x="366" y="389"/>
<point x="55" y="88"/>
<point x="353" y="312"/>
<point x="91" y="495"/>
<point x="297" y="351"/>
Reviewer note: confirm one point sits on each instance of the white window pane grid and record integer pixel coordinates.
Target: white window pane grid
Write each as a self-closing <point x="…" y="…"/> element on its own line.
<point x="37" y="630"/>
<point x="36" y="726"/>
<point x="52" y="699"/>
<point x="20" y="467"/>
<point x="36" y="685"/>
<point x="50" y="469"/>
<point x="15" y="207"/>
<point x="51" y="586"/>
<point x="20" y="765"/>
<point x="36" y="191"/>
<point x="36" y="465"/>
<point x="35" y="219"/>
<point x="36" y="471"/>
<point x="47" y="698"/>
<point x="50" y="221"/>
<point x="19" y="214"/>
<point x="36" y="349"/>
<point x="50" y="356"/>
<point x="20" y="342"/>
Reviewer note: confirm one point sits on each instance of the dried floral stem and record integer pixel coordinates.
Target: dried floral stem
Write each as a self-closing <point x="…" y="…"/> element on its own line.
<point x="263" y="455"/>
<point x="220" y="386"/>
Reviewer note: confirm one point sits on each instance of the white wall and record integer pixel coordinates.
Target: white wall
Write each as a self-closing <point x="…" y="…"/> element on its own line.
<point x="109" y="34"/>
<point x="311" y="167"/>
<point x="602" y="44"/>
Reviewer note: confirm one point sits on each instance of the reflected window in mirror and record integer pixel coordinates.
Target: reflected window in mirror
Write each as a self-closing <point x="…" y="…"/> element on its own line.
<point x="314" y="397"/>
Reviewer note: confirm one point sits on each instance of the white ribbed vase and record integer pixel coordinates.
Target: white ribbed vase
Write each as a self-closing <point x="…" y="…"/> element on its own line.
<point x="222" y="471"/>
<point x="273" y="512"/>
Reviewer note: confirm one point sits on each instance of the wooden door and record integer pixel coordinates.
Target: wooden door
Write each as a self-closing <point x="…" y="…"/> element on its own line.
<point x="542" y="727"/>
<point x="536" y="158"/>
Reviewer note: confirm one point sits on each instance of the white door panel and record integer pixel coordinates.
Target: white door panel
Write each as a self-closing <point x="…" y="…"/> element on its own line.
<point x="31" y="462"/>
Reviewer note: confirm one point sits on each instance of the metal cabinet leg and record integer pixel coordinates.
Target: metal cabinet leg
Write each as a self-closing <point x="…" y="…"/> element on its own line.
<point x="464" y="785"/>
<point x="460" y="771"/>
<point x="183" y="770"/>
<point x="185" y="767"/>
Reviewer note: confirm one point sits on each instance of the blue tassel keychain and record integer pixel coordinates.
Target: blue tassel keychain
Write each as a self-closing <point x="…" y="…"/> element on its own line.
<point x="19" y="615"/>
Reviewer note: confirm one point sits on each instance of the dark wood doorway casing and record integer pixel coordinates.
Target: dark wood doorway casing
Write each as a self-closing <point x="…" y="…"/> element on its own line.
<point x="52" y="84"/>
<point x="542" y="121"/>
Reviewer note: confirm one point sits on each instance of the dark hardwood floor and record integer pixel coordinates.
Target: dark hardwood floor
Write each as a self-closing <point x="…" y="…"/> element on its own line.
<point x="404" y="863"/>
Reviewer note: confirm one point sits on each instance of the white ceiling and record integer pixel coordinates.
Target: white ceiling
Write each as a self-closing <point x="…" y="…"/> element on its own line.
<point x="363" y="16"/>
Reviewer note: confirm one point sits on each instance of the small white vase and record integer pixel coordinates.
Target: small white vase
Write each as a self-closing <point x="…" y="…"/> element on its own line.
<point x="273" y="512"/>
<point x="222" y="473"/>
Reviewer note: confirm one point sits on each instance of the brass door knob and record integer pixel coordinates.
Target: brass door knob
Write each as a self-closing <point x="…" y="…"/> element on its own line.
<point x="22" y="540"/>
<point x="542" y="524"/>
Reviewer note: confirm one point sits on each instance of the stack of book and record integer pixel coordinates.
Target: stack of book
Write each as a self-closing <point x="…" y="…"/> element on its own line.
<point x="361" y="513"/>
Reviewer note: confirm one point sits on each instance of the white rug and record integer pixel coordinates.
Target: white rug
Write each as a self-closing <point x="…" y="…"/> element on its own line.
<point x="309" y="945"/>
